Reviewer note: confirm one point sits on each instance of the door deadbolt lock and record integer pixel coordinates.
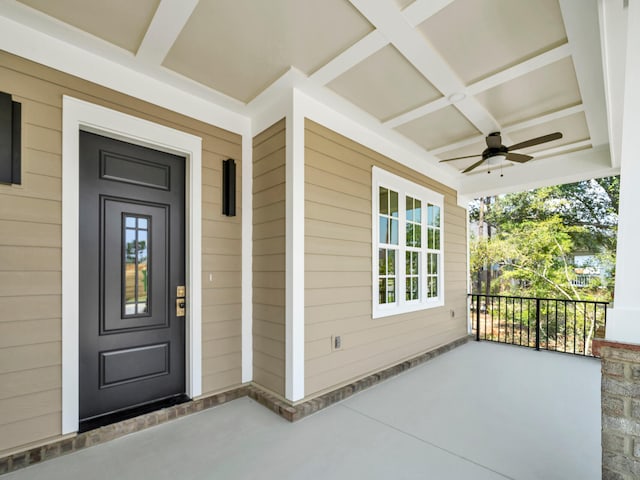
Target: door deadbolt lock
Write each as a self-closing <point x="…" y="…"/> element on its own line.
<point x="180" y="307"/>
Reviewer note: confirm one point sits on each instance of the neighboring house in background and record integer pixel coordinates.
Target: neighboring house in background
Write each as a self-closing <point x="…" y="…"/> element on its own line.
<point x="588" y="267"/>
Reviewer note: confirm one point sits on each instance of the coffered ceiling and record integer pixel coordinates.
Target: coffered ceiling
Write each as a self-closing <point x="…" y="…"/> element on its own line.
<point x="434" y="76"/>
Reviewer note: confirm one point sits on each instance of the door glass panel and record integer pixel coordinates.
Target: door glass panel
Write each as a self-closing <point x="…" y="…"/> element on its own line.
<point x="136" y="265"/>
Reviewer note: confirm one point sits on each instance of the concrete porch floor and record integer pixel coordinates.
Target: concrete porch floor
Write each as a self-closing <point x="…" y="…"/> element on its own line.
<point x="481" y="411"/>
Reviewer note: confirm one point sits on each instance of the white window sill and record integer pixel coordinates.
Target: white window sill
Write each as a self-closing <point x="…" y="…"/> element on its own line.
<point x="390" y="310"/>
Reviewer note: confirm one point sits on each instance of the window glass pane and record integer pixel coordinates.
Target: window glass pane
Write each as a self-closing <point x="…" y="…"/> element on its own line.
<point x="384" y="230"/>
<point x="417" y="236"/>
<point x="382" y="291"/>
<point x="415" y="258"/>
<point x="433" y="216"/>
<point x="417" y="212"/>
<point x="142" y="271"/>
<point x="382" y="261"/>
<point x="391" y="290"/>
<point x="384" y="200"/>
<point x="435" y="263"/>
<point x="130" y="269"/>
<point x="135" y="268"/>
<point x="410" y="228"/>
<point x="393" y="208"/>
<point x="408" y="289"/>
<point x="408" y="263"/>
<point x="436" y="239"/>
<point x="391" y="262"/>
<point x="394" y="232"/>
<point x="430" y="237"/>
<point x="409" y="208"/>
<point x="414" y="288"/>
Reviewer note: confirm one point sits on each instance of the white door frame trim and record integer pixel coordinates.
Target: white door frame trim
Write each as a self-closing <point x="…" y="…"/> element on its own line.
<point x="80" y="115"/>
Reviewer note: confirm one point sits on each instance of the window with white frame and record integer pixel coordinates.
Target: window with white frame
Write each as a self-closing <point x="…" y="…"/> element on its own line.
<point x="407" y="245"/>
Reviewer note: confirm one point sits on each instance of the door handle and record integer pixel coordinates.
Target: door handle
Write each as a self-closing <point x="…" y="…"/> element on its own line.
<point x="181" y="293"/>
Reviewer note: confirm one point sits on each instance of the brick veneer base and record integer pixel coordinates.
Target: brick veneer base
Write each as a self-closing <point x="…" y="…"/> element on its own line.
<point x="620" y="409"/>
<point x="290" y="412"/>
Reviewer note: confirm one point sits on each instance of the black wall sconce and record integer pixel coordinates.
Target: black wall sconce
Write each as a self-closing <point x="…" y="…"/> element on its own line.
<point x="229" y="187"/>
<point x="10" y="143"/>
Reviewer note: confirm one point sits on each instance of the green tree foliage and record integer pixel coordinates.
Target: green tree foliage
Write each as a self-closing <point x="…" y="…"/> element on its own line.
<point x="537" y="232"/>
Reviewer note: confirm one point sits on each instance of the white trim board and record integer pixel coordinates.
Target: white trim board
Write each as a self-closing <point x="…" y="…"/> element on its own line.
<point x="79" y="115"/>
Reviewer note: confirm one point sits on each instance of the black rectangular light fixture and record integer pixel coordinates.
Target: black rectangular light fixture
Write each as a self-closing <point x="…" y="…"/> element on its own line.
<point x="10" y="139"/>
<point x="229" y="187"/>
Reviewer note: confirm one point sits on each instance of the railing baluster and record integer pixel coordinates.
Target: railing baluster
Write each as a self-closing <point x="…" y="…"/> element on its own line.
<point x="575" y="326"/>
<point x="537" y="324"/>
<point x="565" y="327"/>
<point x="478" y="318"/>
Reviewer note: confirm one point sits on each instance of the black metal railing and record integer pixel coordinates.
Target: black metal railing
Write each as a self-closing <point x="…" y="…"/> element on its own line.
<point x="558" y="325"/>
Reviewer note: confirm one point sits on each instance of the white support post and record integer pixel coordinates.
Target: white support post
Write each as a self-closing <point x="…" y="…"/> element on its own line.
<point x="623" y="323"/>
<point x="294" y="297"/>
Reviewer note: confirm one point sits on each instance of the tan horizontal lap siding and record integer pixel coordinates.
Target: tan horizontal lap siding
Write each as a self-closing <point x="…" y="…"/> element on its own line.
<point x="269" y="227"/>
<point x="338" y="268"/>
<point x="31" y="246"/>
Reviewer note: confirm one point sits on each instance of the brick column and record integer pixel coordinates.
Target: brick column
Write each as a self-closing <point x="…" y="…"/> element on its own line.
<point x="620" y="409"/>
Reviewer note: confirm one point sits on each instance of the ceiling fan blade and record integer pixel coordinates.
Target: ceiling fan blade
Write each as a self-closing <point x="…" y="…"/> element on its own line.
<point x="494" y="140"/>
<point x="518" y="157"/>
<point x="458" y="158"/>
<point x="536" y="141"/>
<point x="477" y="164"/>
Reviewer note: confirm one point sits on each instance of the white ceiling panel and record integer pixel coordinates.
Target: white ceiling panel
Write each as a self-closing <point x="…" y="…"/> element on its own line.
<point x="439" y="128"/>
<point x="481" y="37"/>
<point x="240" y="47"/>
<point x="573" y="128"/>
<point x="385" y="85"/>
<point x="542" y="91"/>
<point x="121" y="22"/>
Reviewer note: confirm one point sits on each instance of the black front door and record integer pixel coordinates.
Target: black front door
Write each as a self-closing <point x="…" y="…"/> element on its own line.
<point x="132" y="343"/>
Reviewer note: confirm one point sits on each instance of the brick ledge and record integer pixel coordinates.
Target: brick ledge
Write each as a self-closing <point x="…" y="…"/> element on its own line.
<point x="600" y="343"/>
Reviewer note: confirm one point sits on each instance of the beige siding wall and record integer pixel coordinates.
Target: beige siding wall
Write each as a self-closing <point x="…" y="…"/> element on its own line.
<point x="338" y="268"/>
<point x="30" y="252"/>
<point x="269" y="258"/>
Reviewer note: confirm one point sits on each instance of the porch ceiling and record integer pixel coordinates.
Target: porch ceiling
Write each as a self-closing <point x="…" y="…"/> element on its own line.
<point x="516" y="66"/>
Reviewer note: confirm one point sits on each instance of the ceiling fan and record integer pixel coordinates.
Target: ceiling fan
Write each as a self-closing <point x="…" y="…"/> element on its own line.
<point x="495" y="147"/>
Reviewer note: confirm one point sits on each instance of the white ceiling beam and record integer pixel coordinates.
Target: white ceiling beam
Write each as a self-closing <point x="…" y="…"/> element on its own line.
<point x="613" y="37"/>
<point x="348" y="59"/>
<point x="168" y="21"/>
<point x="424" y="57"/>
<point x="520" y="69"/>
<point x="421" y="10"/>
<point x="425" y="109"/>
<point x="583" y="31"/>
